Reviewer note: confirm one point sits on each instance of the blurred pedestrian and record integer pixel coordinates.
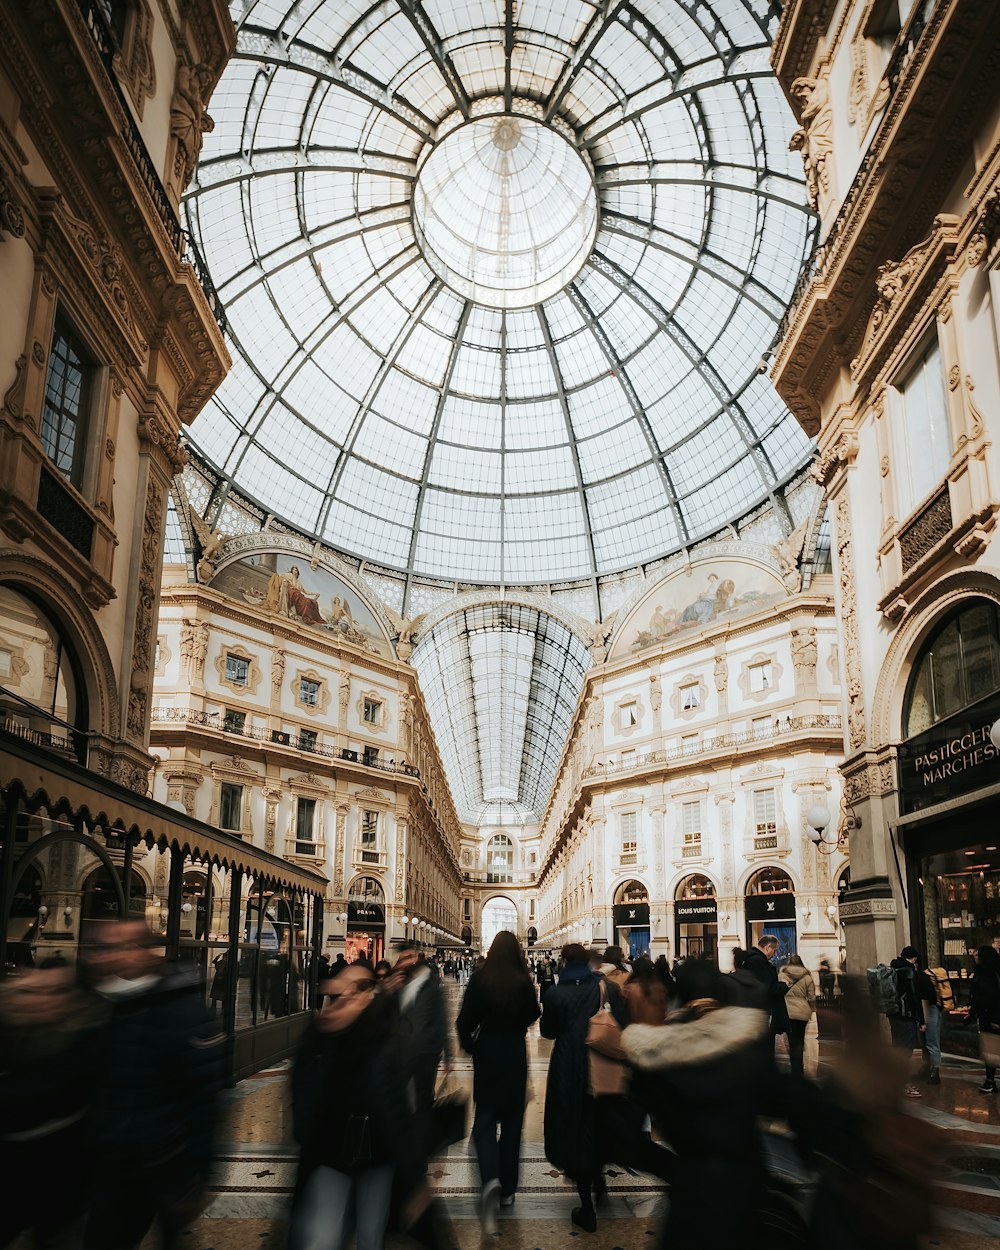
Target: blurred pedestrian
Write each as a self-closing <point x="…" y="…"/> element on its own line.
<point x="704" y="1077"/>
<point x="984" y="1005"/>
<point x="645" y="994"/>
<point x="759" y="961"/>
<point x="497" y="1010"/>
<point x="155" y="1091"/>
<point x="351" y="1120"/>
<point x="906" y="1020"/>
<point x="800" y="1003"/>
<point x="383" y="969"/>
<point x="47" y="1051"/>
<point x="424" y="1036"/>
<point x="827" y="981"/>
<point x="571" y="1141"/>
<point x="613" y="966"/>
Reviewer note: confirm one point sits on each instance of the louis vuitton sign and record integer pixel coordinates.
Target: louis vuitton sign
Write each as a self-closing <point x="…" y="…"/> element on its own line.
<point x="632" y="916"/>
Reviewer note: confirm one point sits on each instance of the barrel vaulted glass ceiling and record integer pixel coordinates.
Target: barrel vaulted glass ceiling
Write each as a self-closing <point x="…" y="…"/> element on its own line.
<point x="500" y="275"/>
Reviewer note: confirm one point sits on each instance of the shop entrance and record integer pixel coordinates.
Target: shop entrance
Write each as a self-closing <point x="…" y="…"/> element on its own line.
<point x="696" y="919"/>
<point x="365" y="921"/>
<point x="770" y="903"/>
<point x="631" y="918"/>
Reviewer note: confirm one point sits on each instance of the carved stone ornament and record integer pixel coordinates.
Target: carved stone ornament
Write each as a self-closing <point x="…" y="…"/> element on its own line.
<point x="11" y="216"/>
<point x="145" y="617"/>
<point x="840" y="454"/>
<point x="13" y="400"/>
<point x="987" y="230"/>
<point x="856" y="727"/>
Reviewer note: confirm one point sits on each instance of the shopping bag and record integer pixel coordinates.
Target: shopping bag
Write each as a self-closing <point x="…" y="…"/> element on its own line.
<point x="608" y="1074"/>
<point x="449" y="1115"/>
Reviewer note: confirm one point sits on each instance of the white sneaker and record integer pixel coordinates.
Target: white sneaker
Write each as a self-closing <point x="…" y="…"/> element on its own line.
<point x="508" y="1201"/>
<point x="489" y="1205"/>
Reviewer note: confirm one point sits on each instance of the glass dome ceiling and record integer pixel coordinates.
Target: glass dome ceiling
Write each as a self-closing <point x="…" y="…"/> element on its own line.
<point x="499" y="278"/>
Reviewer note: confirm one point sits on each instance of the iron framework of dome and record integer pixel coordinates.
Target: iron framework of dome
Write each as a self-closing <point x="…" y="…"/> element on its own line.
<point x="545" y="372"/>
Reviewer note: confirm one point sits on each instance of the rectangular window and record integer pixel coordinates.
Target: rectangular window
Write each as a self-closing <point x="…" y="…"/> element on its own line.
<point x="369" y="828"/>
<point x="237" y="670"/>
<point x="924" y="430"/>
<point x="307" y="739"/>
<point x="628" y="759"/>
<point x="691" y="822"/>
<point x="690" y="698"/>
<point x="760" y="727"/>
<point x="628" y="715"/>
<point x="6" y="663"/>
<point x="369" y="755"/>
<point x="630" y="826"/>
<point x="466" y="908"/>
<point x="531" y="909"/>
<point x="305" y="826"/>
<point x="308" y="692"/>
<point x="234" y="722"/>
<point x="761" y="677"/>
<point x="372" y="711"/>
<point x="67" y="399"/>
<point x="230" y="806"/>
<point x="764" y="814"/>
<point x="690" y="743"/>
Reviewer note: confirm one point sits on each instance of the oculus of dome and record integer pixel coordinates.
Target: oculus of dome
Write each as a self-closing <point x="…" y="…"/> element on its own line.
<point x="505" y="211"/>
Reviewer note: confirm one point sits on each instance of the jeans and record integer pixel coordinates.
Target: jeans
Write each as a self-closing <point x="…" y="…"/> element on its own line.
<point x="904" y="1033"/>
<point x="498" y="1160"/>
<point x="797" y="1046"/>
<point x="932" y="1037"/>
<point x="321" y="1219"/>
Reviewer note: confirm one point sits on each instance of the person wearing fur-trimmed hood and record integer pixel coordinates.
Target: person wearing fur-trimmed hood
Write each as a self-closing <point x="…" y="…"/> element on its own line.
<point x="704" y="1077"/>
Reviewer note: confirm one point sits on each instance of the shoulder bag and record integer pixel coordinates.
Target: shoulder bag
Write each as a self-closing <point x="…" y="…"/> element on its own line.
<point x="608" y="1073"/>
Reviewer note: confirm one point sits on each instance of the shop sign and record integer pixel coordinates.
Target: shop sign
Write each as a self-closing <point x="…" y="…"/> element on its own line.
<point x="692" y="910"/>
<point x="770" y="907"/>
<point x="631" y="916"/>
<point x="951" y="758"/>
<point x="365" y="913"/>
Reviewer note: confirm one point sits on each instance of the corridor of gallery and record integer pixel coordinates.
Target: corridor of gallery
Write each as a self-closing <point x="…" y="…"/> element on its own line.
<point x="255" y="1172"/>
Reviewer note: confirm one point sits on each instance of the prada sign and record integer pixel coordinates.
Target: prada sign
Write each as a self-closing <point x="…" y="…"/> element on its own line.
<point x="951" y="758"/>
<point x="365" y="914"/>
<point x="632" y="916"/>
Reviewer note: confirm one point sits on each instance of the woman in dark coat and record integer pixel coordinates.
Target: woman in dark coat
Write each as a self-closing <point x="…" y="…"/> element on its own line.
<point x="571" y="1139"/>
<point x="984" y="1003"/>
<point x="497" y="1010"/>
<point x="351" y="1120"/>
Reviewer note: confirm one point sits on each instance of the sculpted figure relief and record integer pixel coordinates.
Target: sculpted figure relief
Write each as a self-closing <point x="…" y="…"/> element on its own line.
<point x="189" y="122"/>
<point x="814" y="137"/>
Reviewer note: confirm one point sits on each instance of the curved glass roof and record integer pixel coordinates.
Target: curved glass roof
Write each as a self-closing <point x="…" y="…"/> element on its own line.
<point x="499" y="277"/>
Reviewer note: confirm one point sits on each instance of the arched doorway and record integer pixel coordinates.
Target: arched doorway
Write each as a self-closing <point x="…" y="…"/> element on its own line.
<point x="630" y="914"/>
<point x="100" y="899"/>
<point x="498" y="914"/>
<point x="770" y="905"/>
<point x="696" y="919"/>
<point x="365" y="920"/>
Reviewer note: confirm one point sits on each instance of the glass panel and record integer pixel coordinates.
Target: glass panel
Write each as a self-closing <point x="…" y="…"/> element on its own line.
<point x="980" y="651"/>
<point x="946" y="667"/>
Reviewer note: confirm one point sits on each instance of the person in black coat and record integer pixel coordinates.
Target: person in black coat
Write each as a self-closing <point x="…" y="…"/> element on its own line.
<point x="757" y="961"/>
<point x="155" y="1088"/>
<point x="571" y="1139"/>
<point x="984" y="1004"/>
<point x="705" y="1077"/>
<point x="498" y="1008"/>
<point x="351" y="1119"/>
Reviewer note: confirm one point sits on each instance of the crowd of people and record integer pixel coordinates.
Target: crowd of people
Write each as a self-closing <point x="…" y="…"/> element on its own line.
<point x="671" y="1072"/>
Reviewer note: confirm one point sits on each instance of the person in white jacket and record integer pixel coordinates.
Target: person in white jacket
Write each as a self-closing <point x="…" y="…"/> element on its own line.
<point x="800" y="1002"/>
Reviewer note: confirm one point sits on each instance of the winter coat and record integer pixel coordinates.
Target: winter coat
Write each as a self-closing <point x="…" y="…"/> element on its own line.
<point x="494" y="1037"/>
<point x="908" y="993"/>
<point x="341" y="1079"/>
<point x="645" y="1003"/>
<point x="984" y="998"/>
<point x="424" y="1035"/>
<point x="757" y="963"/>
<point x="614" y="974"/>
<point x="705" y="1077"/>
<point x="800" y="1001"/>
<point x="157" y="1083"/>
<point x="570" y="1132"/>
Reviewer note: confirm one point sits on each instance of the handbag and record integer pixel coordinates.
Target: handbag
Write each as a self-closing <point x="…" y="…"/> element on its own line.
<point x="449" y="1114"/>
<point x="608" y="1074"/>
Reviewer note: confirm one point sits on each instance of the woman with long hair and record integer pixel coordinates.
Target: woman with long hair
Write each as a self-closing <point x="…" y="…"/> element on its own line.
<point x="800" y="1003"/>
<point x="498" y="1008"/>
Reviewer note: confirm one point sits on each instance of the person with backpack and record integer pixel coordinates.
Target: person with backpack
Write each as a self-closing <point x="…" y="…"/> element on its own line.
<point x="906" y="1016"/>
<point x="984" y="1004"/>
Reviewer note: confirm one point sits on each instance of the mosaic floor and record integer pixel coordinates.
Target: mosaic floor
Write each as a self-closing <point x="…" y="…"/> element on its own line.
<point x="256" y="1169"/>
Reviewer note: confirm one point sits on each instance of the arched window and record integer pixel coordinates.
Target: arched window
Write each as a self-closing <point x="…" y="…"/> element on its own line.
<point x="366" y="890"/>
<point x="695" y="886"/>
<point x="100" y="899"/>
<point x="499" y="859"/>
<point x="41" y="694"/>
<point x="959" y="664"/>
<point x="770" y="881"/>
<point x="631" y="892"/>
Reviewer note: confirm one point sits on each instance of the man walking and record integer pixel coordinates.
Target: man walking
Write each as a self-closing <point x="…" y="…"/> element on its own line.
<point x="759" y="962"/>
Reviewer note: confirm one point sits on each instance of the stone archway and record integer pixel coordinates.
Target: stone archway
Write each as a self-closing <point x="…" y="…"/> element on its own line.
<point x="499" y="912"/>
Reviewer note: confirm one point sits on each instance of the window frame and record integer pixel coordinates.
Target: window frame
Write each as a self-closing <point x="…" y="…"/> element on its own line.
<point x="77" y="474"/>
<point x="914" y="447"/>
<point x="227" y="791"/>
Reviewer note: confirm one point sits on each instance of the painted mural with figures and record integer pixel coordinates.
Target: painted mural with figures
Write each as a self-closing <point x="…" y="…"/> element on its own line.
<point x="709" y="591"/>
<point x="289" y="587"/>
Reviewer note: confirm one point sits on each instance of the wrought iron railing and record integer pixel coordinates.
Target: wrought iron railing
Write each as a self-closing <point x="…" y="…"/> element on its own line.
<point x="217" y="721"/>
<point x="22" y="719"/>
<point x="721" y="742"/>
